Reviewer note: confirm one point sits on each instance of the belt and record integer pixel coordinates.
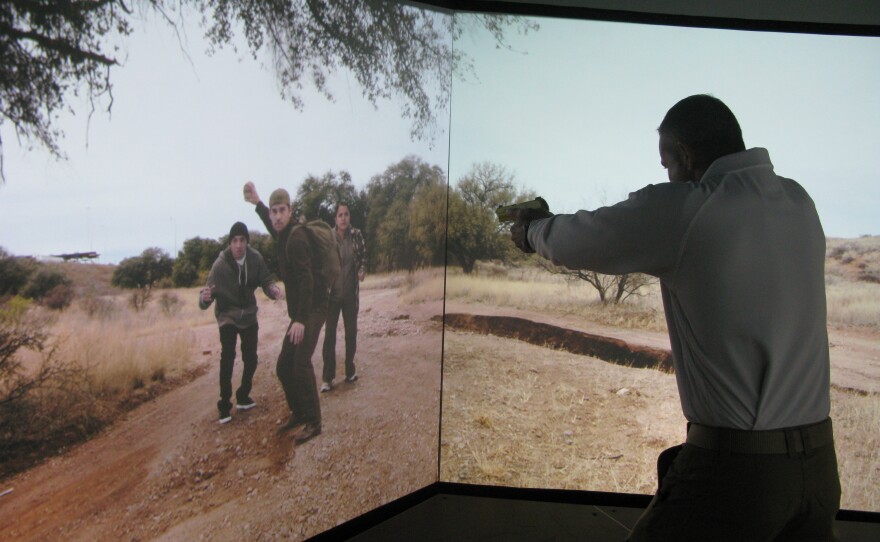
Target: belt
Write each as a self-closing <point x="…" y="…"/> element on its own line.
<point x="790" y="440"/>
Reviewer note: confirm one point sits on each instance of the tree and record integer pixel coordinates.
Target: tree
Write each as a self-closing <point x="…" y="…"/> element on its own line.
<point x="44" y="281"/>
<point x="141" y="273"/>
<point x="427" y="218"/>
<point x="611" y="288"/>
<point x="49" y="49"/>
<point x="54" y="47"/>
<point x="389" y="196"/>
<point x="196" y="257"/>
<point x="317" y="197"/>
<point x="474" y="231"/>
<point x="14" y="272"/>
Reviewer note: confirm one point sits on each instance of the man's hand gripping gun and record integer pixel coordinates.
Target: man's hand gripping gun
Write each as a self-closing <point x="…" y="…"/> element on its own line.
<point x="521" y="214"/>
<point x="529" y="210"/>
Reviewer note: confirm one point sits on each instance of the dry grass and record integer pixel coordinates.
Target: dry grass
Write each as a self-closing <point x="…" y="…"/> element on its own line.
<point x="537" y="290"/>
<point x="857" y="437"/>
<point x="541" y="418"/>
<point x="547" y="419"/>
<point x="853" y="304"/>
<point x="126" y="350"/>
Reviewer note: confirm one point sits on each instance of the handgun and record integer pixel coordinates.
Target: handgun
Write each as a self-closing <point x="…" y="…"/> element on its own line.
<point x="508" y="213"/>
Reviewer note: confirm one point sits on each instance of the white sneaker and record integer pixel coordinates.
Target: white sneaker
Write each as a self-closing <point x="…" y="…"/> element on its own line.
<point x="326" y="386"/>
<point x="247" y="404"/>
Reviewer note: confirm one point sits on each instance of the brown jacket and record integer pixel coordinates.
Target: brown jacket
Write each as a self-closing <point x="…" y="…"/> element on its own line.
<point x="307" y="289"/>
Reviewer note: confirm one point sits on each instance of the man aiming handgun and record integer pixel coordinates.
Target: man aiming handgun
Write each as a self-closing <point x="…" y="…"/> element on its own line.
<point x="740" y="255"/>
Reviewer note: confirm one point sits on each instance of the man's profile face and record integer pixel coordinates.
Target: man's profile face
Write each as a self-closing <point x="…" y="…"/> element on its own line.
<point x="343" y="218"/>
<point x="238" y="244"/>
<point x="672" y="160"/>
<point x="279" y="214"/>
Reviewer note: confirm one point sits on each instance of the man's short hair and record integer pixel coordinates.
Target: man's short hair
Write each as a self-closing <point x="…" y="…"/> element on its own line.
<point x="705" y="125"/>
<point x="279" y="197"/>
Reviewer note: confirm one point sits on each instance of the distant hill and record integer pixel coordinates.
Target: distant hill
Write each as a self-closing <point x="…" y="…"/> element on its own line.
<point x="88" y="277"/>
<point x="854" y="259"/>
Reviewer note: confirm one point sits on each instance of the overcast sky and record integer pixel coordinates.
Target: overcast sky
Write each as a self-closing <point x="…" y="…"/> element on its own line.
<point x="183" y="138"/>
<point x="573" y="111"/>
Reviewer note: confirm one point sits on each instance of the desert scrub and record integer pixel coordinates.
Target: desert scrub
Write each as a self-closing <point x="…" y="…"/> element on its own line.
<point x="857" y="441"/>
<point x="543" y="292"/>
<point x="853" y="303"/>
<point x="44" y="396"/>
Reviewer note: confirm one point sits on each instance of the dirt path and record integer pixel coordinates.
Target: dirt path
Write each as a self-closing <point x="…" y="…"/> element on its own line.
<point x="168" y="471"/>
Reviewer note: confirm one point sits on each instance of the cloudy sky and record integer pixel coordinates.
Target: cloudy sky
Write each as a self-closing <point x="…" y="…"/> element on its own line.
<point x="572" y="109"/>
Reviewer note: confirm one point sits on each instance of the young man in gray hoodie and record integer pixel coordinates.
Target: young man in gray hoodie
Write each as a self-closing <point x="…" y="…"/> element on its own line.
<point x="234" y="277"/>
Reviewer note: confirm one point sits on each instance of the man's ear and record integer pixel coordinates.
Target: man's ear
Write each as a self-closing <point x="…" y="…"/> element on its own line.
<point x="688" y="159"/>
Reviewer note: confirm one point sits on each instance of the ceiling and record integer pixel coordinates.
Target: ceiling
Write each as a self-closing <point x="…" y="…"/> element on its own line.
<point x="862" y="16"/>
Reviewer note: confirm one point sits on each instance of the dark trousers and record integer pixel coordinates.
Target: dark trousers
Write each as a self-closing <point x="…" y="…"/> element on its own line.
<point x="349" y="310"/>
<point x="296" y="374"/>
<point x="228" y="337"/>
<point x="722" y="496"/>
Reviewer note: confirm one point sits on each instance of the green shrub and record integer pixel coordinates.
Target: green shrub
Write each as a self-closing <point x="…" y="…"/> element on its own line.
<point x="43" y="281"/>
<point x="14" y="273"/>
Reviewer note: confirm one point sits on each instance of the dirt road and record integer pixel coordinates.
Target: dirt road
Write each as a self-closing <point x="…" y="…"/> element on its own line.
<point x="169" y="471"/>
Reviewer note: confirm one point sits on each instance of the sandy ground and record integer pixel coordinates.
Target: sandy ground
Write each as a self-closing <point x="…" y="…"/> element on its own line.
<point x="169" y="471"/>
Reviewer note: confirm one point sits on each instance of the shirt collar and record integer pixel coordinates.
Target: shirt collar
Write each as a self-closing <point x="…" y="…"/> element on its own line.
<point x="729" y="163"/>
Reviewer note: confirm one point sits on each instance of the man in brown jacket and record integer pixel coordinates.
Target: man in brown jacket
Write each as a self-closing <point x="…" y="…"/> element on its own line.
<point x="306" y="292"/>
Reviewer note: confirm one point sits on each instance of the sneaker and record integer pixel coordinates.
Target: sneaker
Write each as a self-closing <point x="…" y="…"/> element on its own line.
<point x="225" y="417"/>
<point x="308" y="432"/>
<point x="352" y="378"/>
<point x="245" y="404"/>
<point x="326" y="386"/>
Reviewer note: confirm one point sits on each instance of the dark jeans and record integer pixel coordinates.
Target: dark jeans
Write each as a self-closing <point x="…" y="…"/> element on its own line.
<point x="712" y="495"/>
<point x="228" y="337"/>
<point x="349" y="309"/>
<point x="297" y="376"/>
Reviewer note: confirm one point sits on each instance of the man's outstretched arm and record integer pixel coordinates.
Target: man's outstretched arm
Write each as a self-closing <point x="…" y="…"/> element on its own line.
<point x="251" y="196"/>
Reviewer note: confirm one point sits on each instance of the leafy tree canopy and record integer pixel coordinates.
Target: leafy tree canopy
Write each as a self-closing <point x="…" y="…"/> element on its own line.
<point x="317" y="197"/>
<point x="474" y="232"/>
<point x="389" y="197"/>
<point x="142" y="272"/>
<point x="51" y="48"/>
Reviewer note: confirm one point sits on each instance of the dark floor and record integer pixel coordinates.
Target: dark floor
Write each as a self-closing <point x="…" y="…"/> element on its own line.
<point x="467" y="518"/>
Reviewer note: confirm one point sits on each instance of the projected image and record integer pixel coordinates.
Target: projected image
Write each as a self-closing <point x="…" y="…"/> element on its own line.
<point x="134" y="269"/>
<point x="562" y="378"/>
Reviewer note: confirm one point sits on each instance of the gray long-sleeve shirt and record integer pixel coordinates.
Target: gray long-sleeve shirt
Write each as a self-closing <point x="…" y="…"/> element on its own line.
<point x="741" y="257"/>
